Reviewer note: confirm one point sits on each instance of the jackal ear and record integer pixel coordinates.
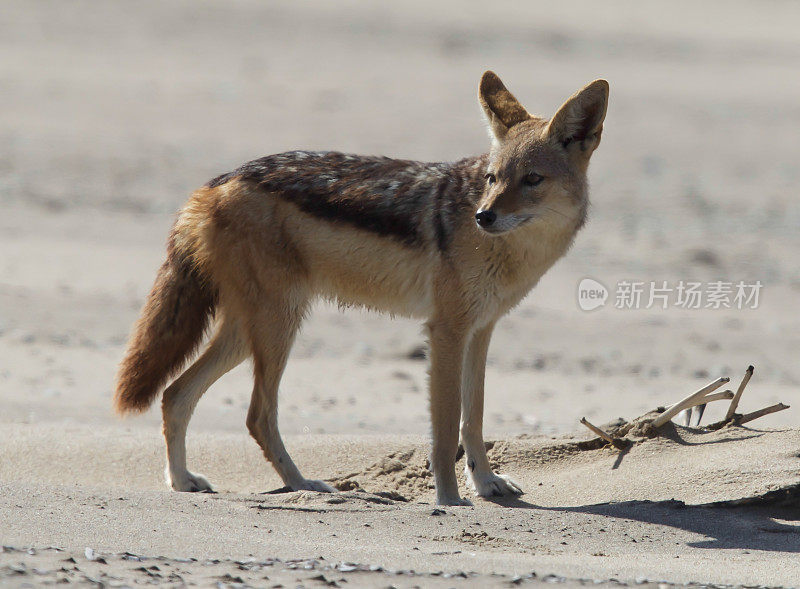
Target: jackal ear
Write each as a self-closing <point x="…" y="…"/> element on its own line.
<point x="502" y="110"/>
<point x="580" y="118"/>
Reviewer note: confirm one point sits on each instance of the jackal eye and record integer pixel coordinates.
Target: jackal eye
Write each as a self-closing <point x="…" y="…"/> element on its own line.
<point x="532" y="180"/>
<point x="490" y="178"/>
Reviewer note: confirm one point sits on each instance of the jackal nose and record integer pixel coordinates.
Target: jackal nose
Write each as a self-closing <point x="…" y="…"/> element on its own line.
<point x="485" y="218"/>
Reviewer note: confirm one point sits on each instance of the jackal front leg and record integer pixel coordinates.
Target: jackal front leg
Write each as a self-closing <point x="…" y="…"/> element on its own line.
<point x="447" y="359"/>
<point x="485" y="482"/>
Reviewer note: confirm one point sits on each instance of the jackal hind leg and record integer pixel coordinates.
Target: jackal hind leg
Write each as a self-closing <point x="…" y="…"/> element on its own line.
<point x="226" y="350"/>
<point x="273" y="330"/>
<point x="485" y="482"/>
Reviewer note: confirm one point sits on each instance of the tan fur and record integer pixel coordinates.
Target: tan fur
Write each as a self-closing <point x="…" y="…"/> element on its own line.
<point x="259" y="260"/>
<point x="180" y="298"/>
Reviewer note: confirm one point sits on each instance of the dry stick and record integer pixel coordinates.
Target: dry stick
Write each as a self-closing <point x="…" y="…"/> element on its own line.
<point x="761" y="413"/>
<point x="728" y="394"/>
<point x="689" y="401"/>
<point x="607" y="437"/>
<point x="701" y="408"/>
<point x="685" y="404"/>
<point x="735" y="403"/>
<point x="616" y="442"/>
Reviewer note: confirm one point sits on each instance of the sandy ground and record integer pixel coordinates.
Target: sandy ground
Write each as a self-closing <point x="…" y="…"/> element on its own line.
<point x="111" y="113"/>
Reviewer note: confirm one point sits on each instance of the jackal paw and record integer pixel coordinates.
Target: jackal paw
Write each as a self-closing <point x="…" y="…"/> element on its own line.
<point x="312" y="485"/>
<point x="190" y="483"/>
<point x="489" y="484"/>
<point x="455" y="500"/>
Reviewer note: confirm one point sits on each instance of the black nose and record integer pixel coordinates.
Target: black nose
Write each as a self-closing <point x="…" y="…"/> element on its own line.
<point x="485" y="218"/>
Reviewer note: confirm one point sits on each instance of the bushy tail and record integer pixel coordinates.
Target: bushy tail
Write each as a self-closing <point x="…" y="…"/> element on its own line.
<point x="170" y="328"/>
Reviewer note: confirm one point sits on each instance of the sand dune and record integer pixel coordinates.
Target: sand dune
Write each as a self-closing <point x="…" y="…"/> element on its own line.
<point x="651" y="512"/>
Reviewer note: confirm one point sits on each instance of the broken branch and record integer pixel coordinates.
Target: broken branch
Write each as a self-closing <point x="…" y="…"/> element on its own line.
<point x="607" y="437"/>
<point x="735" y="402"/>
<point x="618" y="443"/>
<point x="690" y="401"/>
<point x="727" y="394"/>
<point x="761" y="413"/>
<point x="700" y="404"/>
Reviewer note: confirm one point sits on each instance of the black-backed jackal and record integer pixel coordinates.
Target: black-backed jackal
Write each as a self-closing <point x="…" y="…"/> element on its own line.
<point x="456" y="244"/>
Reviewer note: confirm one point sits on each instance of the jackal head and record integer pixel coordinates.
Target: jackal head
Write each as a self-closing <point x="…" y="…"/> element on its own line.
<point x="537" y="167"/>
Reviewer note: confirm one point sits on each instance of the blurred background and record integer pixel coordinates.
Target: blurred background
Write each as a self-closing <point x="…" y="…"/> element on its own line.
<point x="111" y="113"/>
